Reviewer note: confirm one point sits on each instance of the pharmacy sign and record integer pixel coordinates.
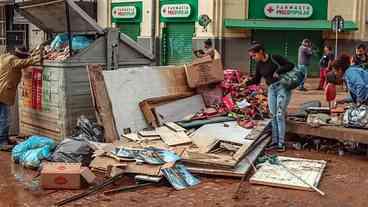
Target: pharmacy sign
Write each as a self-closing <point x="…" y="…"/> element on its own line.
<point x="176" y="10"/>
<point x="288" y="10"/>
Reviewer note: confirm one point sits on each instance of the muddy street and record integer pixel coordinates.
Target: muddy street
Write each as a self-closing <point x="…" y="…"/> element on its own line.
<point x="344" y="182"/>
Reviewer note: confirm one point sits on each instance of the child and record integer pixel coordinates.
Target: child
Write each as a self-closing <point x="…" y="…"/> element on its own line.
<point x="330" y="89"/>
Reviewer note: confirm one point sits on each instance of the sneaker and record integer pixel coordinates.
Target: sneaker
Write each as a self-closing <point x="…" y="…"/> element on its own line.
<point x="271" y="146"/>
<point x="303" y="89"/>
<point x="281" y="148"/>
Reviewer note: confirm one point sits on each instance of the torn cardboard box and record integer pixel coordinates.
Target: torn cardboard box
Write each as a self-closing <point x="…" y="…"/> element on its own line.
<point x="204" y="71"/>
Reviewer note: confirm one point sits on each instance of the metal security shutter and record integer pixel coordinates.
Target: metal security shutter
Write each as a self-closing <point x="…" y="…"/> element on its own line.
<point x="178" y="43"/>
<point x="133" y="30"/>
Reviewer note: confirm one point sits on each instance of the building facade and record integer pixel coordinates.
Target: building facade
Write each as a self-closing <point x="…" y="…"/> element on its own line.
<point x="172" y="29"/>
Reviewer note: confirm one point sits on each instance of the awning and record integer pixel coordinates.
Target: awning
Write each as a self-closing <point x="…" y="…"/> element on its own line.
<point x="262" y="24"/>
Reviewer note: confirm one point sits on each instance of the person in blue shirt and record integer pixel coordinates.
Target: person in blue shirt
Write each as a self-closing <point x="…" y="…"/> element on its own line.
<point x="355" y="78"/>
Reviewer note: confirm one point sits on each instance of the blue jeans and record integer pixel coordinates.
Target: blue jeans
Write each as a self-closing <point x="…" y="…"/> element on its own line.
<point x="278" y="100"/>
<point x="305" y="69"/>
<point x="4" y="123"/>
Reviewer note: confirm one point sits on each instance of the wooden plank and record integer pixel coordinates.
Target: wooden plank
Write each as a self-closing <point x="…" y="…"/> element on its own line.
<point x="101" y="102"/>
<point x="174" y="127"/>
<point x="276" y="175"/>
<point x="329" y="132"/>
<point x="172" y="138"/>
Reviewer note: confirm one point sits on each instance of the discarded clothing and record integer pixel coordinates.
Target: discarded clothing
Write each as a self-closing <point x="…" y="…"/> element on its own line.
<point x="31" y="152"/>
<point x="317" y="120"/>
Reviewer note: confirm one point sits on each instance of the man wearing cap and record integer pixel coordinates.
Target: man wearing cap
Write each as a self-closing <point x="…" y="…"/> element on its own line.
<point x="11" y="66"/>
<point x="304" y="59"/>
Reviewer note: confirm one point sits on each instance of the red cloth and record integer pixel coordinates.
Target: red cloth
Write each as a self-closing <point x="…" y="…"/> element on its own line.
<point x="330" y="92"/>
<point x="322" y="77"/>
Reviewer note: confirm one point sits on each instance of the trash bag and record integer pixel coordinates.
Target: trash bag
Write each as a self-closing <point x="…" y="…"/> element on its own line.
<point x="356" y="117"/>
<point x="31" y="152"/>
<point x="73" y="150"/>
<point x="89" y="130"/>
<point x="60" y="41"/>
<point x="77" y="148"/>
<point x="81" y="42"/>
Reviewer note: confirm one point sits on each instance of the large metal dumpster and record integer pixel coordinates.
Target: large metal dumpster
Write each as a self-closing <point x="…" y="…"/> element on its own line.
<point x="53" y="95"/>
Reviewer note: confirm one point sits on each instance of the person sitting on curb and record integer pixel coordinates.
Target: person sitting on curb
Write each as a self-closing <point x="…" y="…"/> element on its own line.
<point x="355" y="78"/>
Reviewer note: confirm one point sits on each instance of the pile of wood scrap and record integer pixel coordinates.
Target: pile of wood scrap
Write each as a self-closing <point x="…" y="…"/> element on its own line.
<point x="175" y="118"/>
<point x="151" y="159"/>
<point x="226" y="152"/>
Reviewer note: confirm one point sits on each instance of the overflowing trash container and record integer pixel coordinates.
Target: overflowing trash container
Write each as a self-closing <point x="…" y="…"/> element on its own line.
<point x="54" y="94"/>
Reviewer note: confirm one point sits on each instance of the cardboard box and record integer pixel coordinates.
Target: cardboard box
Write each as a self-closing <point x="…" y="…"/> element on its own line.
<point x="204" y="71"/>
<point x="61" y="176"/>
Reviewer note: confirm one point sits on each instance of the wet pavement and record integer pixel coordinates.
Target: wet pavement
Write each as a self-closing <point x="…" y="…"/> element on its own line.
<point x="345" y="183"/>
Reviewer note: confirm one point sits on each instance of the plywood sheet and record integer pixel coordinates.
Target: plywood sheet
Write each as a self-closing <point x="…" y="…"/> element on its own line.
<point x="177" y="110"/>
<point x="127" y="87"/>
<point x="276" y="175"/>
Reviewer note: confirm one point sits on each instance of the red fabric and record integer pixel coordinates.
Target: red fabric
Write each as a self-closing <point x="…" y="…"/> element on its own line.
<point x="330" y="92"/>
<point x="229" y="103"/>
<point x="322" y="77"/>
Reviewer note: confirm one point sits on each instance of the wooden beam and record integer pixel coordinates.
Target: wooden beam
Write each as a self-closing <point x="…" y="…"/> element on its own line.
<point x="101" y="102"/>
<point x="329" y="132"/>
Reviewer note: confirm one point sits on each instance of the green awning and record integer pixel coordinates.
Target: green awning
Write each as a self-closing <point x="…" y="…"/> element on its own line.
<point x="265" y="24"/>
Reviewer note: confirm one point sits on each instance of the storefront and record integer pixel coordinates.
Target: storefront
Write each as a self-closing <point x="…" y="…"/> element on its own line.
<point x="127" y="16"/>
<point x="281" y="25"/>
<point x="177" y="18"/>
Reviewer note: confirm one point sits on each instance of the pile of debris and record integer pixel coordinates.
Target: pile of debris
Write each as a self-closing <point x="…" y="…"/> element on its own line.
<point x="59" y="49"/>
<point x="196" y="119"/>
